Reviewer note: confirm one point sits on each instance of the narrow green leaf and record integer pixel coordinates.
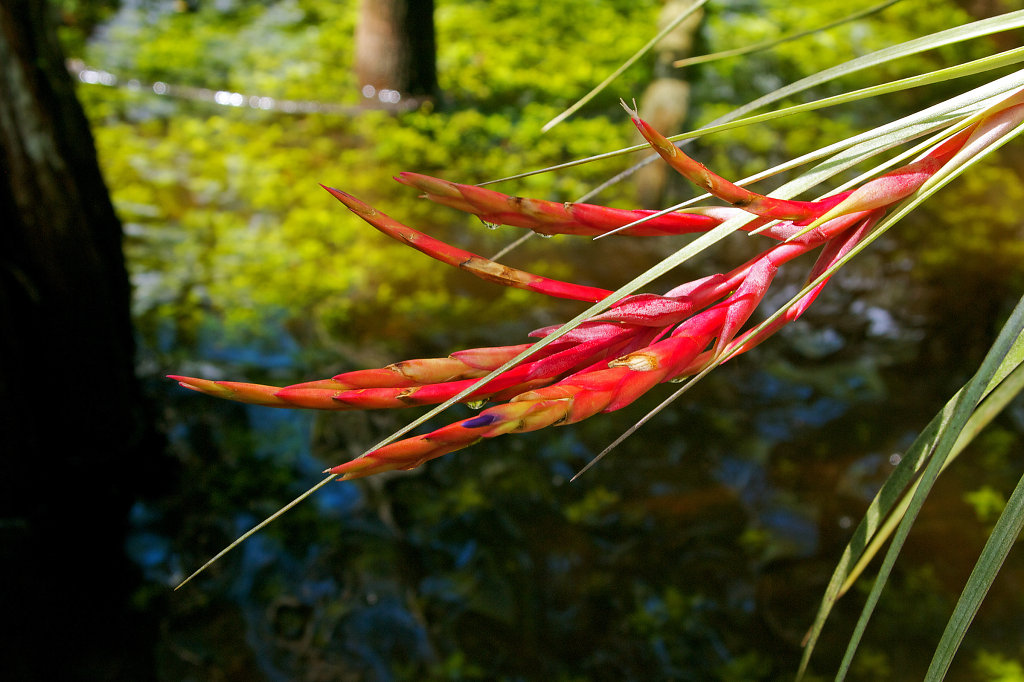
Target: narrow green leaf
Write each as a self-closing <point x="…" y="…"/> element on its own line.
<point x="1007" y="58"/>
<point x="1007" y="383"/>
<point x="976" y="29"/>
<point x="986" y="412"/>
<point x="255" y="529"/>
<point x="996" y="61"/>
<point x="896" y="132"/>
<point x="768" y="44"/>
<point x="920" y="452"/>
<point x="625" y="65"/>
<point x="953" y="422"/>
<point x="998" y="546"/>
<point x="917" y="454"/>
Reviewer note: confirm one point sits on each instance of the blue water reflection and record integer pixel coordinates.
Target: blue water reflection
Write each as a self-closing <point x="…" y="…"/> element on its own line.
<point x="700" y="546"/>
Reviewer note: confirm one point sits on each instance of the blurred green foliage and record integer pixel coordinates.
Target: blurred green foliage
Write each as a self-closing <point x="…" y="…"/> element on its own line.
<point x="992" y="667"/>
<point x="222" y="205"/>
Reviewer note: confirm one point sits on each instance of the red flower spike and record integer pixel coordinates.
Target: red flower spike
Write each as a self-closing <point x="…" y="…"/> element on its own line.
<point x="464" y="260"/>
<point x="891" y="187"/>
<point x="746" y="299"/>
<point x="489" y="359"/>
<point x="844" y="242"/>
<point x="700" y="175"/>
<point x="569" y="401"/>
<point x="612" y="359"/>
<point x="254" y="394"/>
<point x="550" y="217"/>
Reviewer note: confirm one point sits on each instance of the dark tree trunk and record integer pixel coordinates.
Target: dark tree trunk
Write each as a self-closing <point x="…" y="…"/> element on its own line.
<point x="986" y="9"/>
<point x="395" y="46"/>
<point x="74" y="439"/>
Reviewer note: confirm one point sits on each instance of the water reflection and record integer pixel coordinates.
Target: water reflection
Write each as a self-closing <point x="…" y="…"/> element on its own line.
<point x="699" y="550"/>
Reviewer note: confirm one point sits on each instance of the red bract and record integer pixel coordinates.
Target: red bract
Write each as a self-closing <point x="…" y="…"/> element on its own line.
<point x="614" y="357"/>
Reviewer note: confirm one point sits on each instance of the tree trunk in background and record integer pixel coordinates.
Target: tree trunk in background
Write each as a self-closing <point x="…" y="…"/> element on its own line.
<point x="986" y="9"/>
<point x="665" y="101"/>
<point x="74" y="439"/>
<point x="395" y="46"/>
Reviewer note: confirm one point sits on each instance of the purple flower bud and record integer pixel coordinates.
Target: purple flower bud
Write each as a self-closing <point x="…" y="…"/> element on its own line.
<point x="480" y="421"/>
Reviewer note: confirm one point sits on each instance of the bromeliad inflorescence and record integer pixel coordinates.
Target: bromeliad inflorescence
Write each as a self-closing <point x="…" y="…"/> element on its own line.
<point x="612" y="358"/>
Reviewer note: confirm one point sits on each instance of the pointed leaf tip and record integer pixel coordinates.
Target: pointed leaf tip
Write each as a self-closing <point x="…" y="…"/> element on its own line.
<point x="190" y="383"/>
<point x="344" y="197"/>
<point x="353" y="204"/>
<point x="431" y="185"/>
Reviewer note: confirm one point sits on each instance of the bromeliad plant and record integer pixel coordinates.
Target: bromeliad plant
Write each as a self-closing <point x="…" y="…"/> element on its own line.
<point x="626" y="343"/>
<point x="611" y="358"/>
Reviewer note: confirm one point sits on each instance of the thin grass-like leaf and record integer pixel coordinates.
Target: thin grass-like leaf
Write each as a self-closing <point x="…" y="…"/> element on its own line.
<point x="1007" y="58"/>
<point x="953" y="421"/>
<point x="851" y="151"/>
<point x="902" y="475"/>
<point x="689" y="383"/>
<point x="890" y="492"/>
<point x="768" y="44"/>
<point x="884" y="505"/>
<point x="985" y="413"/>
<point x="976" y="29"/>
<point x="625" y="65"/>
<point x="513" y="245"/>
<point x="996" y="549"/>
<point x="996" y="61"/>
<point x="255" y="529"/>
<point x="1007" y="383"/>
